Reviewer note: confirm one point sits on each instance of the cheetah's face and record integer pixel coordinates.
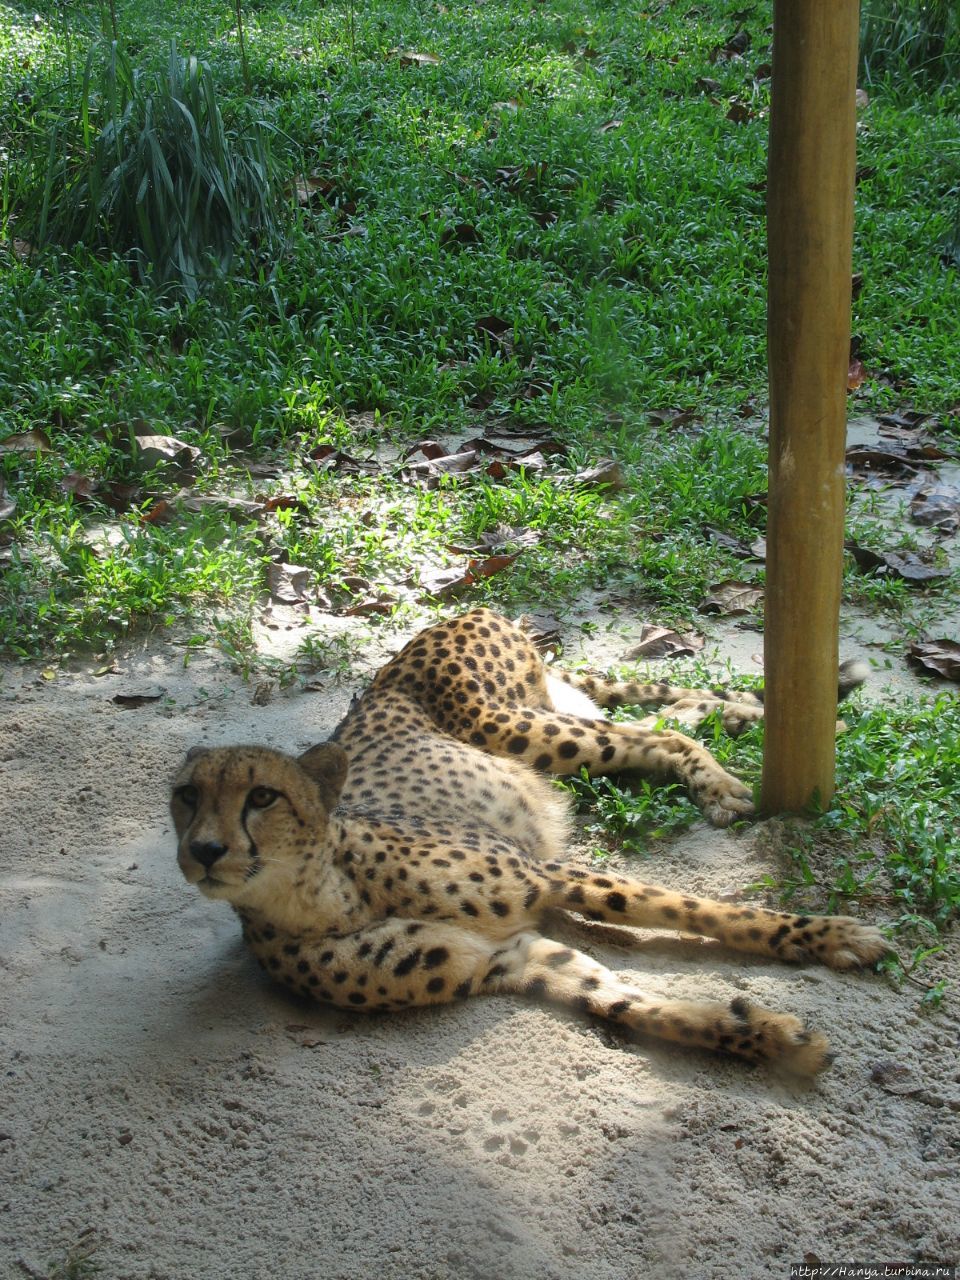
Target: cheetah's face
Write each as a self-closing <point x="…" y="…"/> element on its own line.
<point x="246" y="816"/>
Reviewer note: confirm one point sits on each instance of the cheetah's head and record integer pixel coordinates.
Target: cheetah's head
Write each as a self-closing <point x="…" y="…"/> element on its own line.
<point x="246" y="817"/>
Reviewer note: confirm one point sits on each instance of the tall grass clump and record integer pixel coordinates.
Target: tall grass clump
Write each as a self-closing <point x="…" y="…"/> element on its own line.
<point x="907" y="39"/>
<point x="151" y="166"/>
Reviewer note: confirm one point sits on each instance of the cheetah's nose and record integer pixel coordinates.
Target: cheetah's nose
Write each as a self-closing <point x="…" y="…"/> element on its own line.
<point x="207" y="852"/>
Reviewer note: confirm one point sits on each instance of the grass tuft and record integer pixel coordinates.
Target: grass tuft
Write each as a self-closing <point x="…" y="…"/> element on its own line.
<point x="148" y="165"/>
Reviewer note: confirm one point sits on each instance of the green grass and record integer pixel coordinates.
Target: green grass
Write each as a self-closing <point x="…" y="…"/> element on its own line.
<point x="889" y="838"/>
<point x="558" y="170"/>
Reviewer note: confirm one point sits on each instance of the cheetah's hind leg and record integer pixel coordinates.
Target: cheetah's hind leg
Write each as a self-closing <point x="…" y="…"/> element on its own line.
<point x="400" y="964"/>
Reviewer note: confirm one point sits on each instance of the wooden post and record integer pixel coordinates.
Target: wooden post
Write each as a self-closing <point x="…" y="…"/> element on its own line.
<point x="809" y="241"/>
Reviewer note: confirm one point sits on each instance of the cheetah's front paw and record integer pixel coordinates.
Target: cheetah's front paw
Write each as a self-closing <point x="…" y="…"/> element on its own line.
<point x="850" y="943"/>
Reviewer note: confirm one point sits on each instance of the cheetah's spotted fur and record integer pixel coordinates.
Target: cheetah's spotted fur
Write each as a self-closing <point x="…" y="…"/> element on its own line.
<point x="409" y="861"/>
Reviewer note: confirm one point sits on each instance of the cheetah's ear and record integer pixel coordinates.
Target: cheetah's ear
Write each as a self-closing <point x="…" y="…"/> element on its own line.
<point x="196" y="751"/>
<point x="327" y="765"/>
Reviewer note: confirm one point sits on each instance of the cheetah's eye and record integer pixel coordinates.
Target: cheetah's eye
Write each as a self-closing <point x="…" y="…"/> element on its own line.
<point x="262" y="797"/>
<point x="187" y="795"/>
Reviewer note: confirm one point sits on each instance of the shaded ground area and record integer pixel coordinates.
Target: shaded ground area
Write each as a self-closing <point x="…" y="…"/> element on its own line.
<point x="172" y="1115"/>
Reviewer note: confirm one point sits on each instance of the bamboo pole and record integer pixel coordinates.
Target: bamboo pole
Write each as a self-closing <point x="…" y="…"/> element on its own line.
<point x="809" y="241"/>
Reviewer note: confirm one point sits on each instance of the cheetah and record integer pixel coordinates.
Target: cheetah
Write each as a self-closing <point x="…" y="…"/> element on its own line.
<point x="411" y="859"/>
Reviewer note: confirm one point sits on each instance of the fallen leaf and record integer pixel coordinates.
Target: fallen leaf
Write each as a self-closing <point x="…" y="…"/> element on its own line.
<point x="756" y="550"/>
<point x="706" y="85"/>
<point x="80" y="486"/>
<point x="731" y="598"/>
<point x="869" y="460"/>
<point x="289" y="583"/>
<point x="763" y="72"/>
<point x="411" y="58"/>
<point x="740" y="113"/>
<point x="903" y="419"/>
<point x="661" y="642"/>
<point x="607" y="474"/>
<point x="937" y="509"/>
<point x="447" y="464"/>
<point x="153" y="451"/>
<point x="130" y="701"/>
<point x="894" y="1077"/>
<point x="26" y="442"/>
<point x="449" y="581"/>
<point x="518" y="175"/>
<point x="493" y="327"/>
<point x="328" y="458"/>
<point x="735" y="47"/>
<point x="942" y="657"/>
<point x="429" y="449"/>
<point x="460" y="233"/>
<point x="856" y="374"/>
<point x="263" y="693"/>
<point x="673" y="418"/>
<point x="907" y="565"/>
<point x="312" y="188"/>
<point x="384" y="604"/>
<point x="507" y="535"/>
<point x="541" y="629"/>
<point x="279" y="502"/>
<point x="544" y="217"/>
<point x="159" y="512"/>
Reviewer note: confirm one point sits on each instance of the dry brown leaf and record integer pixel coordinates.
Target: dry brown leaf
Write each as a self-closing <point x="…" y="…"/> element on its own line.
<point x="130" y="701"/>
<point x="159" y="512"/>
<point x="312" y="188"/>
<point x="673" y="418"/>
<point x="518" y="175"/>
<point x="326" y="457"/>
<point x="153" y="451"/>
<point x="26" y="442"/>
<point x="541" y="629"/>
<point x="449" y="581"/>
<point x="740" y="113"/>
<point x="411" y="58"/>
<point x="289" y="583"/>
<point x="908" y="565"/>
<point x="942" y="657"/>
<point x="937" y="509"/>
<point x="731" y="598"/>
<point x="80" y="486"/>
<point x="661" y="642"/>
<point x="865" y="461"/>
<point x="383" y="603"/>
<point x="607" y="474"/>
<point x="459" y="233"/>
<point x="735" y="47"/>
<point x="894" y="1077"/>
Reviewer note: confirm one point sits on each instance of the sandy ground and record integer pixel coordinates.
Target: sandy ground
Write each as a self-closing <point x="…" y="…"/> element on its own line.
<point x="166" y="1114"/>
